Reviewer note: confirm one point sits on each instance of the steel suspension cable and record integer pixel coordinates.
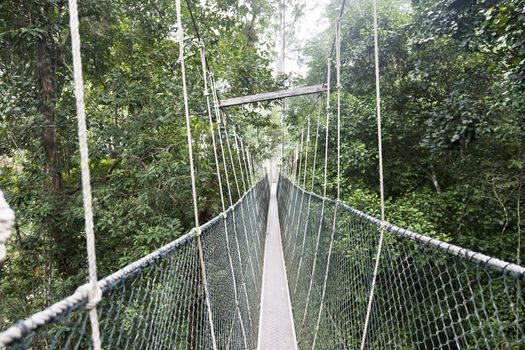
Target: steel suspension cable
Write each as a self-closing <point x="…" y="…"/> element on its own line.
<point x="192" y="170"/>
<point x="381" y="180"/>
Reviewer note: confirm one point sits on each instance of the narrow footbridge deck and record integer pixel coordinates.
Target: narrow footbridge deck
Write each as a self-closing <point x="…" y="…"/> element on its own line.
<point x="276" y="329"/>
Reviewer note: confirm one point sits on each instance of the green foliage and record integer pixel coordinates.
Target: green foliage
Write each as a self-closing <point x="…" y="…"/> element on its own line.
<point x="137" y="138"/>
<point x="452" y="106"/>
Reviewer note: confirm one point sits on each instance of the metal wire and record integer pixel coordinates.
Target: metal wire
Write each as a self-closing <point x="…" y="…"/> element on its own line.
<point x="429" y="294"/>
<point x="158" y="302"/>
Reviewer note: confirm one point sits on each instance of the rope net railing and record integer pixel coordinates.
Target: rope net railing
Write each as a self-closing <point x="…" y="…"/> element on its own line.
<point x="428" y="295"/>
<point x="159" y="302"/>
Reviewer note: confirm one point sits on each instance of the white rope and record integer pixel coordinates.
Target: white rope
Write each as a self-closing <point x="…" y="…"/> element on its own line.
<point x="250" y="165"/>
<point x="321" y="306"/>
<point x="302" y="197"/>
<point x="289" y="205"/>
<point x="228" y="186"/>
<point x="338" y="87"/>
<point x="227" y="137"/>
<point x="250" y="221"/>
<point x="192" y="171"/>
<point x="245" y="162"/>
<point x="217" y="168"/>
<point x="327" y="127"/>
<point x="296" y="198"/>
<point x="237" y="148"/>
<point x="7" y="220"/>
<point x="218" y="117"/>
<point x="322" y="211"/>
<point x="95" y="293"/>
<point x="293" y="204"/>
<point x="321" y="217"/>
<point x="381" y="182"/>
<point x="308" y="208"/>
<point x="250" y="203"/>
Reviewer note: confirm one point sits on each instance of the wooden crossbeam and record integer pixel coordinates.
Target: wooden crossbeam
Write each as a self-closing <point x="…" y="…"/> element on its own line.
<point x="275" y="95"/>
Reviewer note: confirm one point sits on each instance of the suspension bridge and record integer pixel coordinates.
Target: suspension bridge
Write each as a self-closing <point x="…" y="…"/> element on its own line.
<point x="281" y="268"/>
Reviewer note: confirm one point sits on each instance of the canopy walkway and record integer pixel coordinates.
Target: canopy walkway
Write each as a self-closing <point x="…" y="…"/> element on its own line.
<point x="430" y="294"/>
<point x="282" y="268"/>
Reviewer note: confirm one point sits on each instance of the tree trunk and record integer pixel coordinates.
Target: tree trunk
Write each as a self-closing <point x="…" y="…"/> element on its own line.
<point x="434" y="179"/>
<point x="46" y="75"/>
<point x="64" y="247"/>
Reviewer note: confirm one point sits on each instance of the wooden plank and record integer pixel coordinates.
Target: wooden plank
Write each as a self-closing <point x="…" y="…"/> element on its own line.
<point x="275" y="95"/>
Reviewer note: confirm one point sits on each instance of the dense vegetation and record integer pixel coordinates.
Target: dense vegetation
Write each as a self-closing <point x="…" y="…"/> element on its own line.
<point x="139" y="167"/>
<point x="452" y="76"/>
<point x="453" y="102"/>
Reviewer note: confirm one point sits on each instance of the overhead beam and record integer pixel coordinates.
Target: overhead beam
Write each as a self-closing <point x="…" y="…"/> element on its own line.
<point x="275" y="95"/>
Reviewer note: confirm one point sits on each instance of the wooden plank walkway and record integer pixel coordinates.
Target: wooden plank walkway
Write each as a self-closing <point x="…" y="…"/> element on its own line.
<point x="276" y="328"/>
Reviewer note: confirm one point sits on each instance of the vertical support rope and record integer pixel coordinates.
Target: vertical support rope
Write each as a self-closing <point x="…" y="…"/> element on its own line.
<point x="289" y="205"/>
<point x="248" y="181"/>
<point x="296" y="198"/>
<point x="325" y="180"/>
<point x="308" y="207"/>
<point x="314" y="263"/>
<point x="217" y="169"/>
<point x="334" y="223"/>
<point x="249" y="178"/>
<point x="338" y="87"/>
<point x="381" y="182"/>
<point x="237" y="148"/>
<point x="227" y="137"/>
<point x="230" y="196"/>
<point x="95" y="294"/>
<point x="302" y="196"/>
<point x="228" y="145"/>
<point x="327" y="127"/>
<point x="192" y="172"/>
<point x="293" y="204"/>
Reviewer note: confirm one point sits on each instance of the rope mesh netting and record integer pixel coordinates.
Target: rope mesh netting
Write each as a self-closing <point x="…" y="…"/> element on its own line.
<point x="159" y="302"/>
<point x="429" y="294"/>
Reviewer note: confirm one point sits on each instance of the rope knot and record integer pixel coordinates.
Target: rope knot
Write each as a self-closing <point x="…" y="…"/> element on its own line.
<point x="196" y="231"/>
<point x="94" y="297"/>
<point x="224" y="215"/>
